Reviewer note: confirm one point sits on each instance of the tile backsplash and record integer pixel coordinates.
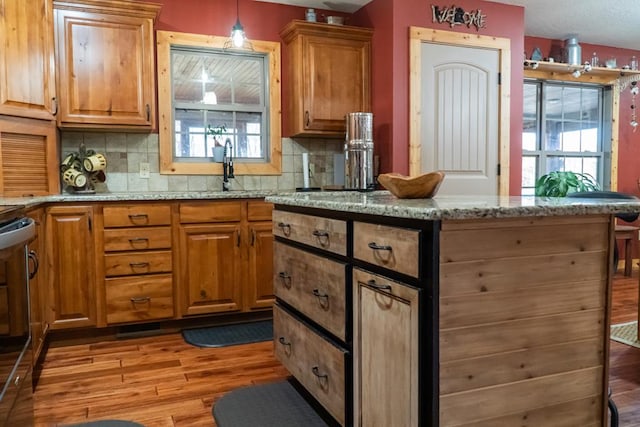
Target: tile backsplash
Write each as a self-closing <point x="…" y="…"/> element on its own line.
<point x="125" y="151"/>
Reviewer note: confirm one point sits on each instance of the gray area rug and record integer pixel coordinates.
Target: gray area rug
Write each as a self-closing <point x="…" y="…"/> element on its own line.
<point x="221" y="336"/>
<point x="267" y="405"/>
<point x="107" y="423"/>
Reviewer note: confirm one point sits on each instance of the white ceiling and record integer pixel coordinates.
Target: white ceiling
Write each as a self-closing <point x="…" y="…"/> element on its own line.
<point x="607" y="23"/>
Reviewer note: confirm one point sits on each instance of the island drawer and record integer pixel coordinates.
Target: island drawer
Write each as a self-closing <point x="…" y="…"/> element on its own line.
<point x="324" y="233"/>
<point x="137" y="239"/>
<point x="136" y="299"/>
<point x="313" y="285"/>
<point x="132" y="263"/>
<point x="314" y="361"/>
<point x="394" y="248"/>
<point x="210" y="212"/>
<point x="138" y="215"/>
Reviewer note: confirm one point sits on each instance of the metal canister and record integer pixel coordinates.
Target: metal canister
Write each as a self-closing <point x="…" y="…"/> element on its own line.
<point x="358" y="152"/>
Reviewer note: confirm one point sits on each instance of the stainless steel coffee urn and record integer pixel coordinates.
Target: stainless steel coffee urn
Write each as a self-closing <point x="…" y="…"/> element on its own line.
<point x="358" y="152"/>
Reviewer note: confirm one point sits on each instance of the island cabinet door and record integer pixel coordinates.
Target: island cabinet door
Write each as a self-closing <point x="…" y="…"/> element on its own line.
<point x="210" y="268"/>
<point x="385" y="346"/>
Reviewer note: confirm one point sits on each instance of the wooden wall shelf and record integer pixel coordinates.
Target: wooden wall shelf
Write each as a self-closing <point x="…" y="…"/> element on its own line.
<point x="563" y="71"/>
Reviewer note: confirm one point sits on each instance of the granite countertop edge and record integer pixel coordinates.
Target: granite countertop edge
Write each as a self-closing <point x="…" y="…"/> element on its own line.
<point x="382" y="203"/>
<point x="30" y="202"/>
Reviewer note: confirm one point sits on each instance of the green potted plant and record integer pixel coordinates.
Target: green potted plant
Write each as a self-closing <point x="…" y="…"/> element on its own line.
<point x="560" y="183"/>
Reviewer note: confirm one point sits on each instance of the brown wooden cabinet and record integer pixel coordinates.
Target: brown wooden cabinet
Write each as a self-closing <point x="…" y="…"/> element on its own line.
<point x="385" y="350"/>
<point x="105" y="63"/>
<point x="327" y="74"/>
<point x="225" y="256"/>
<point x="259" y="284"/>
<point x="27" y="69"/>
<point x="136" y="262"/>
<point x="71" y="298"/>
<point x="37" y="281"/>
<point x="28" y="157"/>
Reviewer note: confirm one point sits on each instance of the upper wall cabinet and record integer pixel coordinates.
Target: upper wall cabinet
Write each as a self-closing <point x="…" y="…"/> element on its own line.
<point x="328" y="76"/>
<point x="105" y="63"/>
<point x="27" y="80"/>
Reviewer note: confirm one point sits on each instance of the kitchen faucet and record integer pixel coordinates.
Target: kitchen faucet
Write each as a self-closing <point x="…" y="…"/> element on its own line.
<point x="227" y="165"/>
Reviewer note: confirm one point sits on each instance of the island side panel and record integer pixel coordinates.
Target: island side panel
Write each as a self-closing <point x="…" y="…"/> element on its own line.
<point x="524" y="307"/>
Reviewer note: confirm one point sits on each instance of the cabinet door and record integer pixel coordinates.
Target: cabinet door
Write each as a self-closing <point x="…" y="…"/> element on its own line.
<point x="105" y="69"/>
<point x="37" y="282"/>
<point x="336" y="82"/>
<point x="28" y="157"/>
<point x="385" y="352"/>
<point x="27" y="79"/>
<point x="260" y="282"/>
<point x="71" y="299"/>
<point x="210" y="262"/>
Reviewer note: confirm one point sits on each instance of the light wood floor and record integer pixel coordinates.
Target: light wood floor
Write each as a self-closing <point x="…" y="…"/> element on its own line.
<point x="162" y="381"/>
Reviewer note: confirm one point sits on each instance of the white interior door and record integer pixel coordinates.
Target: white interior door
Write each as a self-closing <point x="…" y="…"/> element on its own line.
<point x="460" y="121"/>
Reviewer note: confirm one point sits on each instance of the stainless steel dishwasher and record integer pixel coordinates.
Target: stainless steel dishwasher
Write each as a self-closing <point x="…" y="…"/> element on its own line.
<point x="16" y="389"/>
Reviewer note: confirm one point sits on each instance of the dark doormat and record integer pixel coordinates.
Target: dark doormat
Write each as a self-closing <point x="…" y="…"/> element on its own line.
<point x="107" y="423"/>
<point x="239" y="333"/>
<point x="267" y="405"/>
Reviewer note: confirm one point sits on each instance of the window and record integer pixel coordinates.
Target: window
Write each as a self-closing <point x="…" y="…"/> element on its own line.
<point x="209" y="97"/>
<point x="564" y="130"/>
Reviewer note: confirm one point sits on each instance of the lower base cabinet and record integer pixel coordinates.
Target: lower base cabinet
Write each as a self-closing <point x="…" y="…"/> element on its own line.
<point x="70" y="263"/>
<point x="139" y="298"/>
<point x="319" y="365"/>
<point x="385" y="350"/>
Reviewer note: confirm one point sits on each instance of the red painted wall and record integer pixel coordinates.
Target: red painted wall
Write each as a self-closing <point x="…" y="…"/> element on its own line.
<point x="391" y="21"/>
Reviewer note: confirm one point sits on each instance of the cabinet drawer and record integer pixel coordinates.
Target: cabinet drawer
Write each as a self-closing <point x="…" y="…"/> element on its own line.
<point x="137" y="239"/>
<point x="323" y="233"/>
<point x="210" y="212"/>
<point x="313" y="285"/>
<point x="394" y="248"/>
<point x="313" y="360"/>
<point x="136" y="215"/>
<point x="134" y="299"/>
<point x="126" y="264"/>
<point x="258" y="210"/>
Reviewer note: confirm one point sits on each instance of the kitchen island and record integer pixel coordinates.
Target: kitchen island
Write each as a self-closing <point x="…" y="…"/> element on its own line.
<point x="455" y="310"/>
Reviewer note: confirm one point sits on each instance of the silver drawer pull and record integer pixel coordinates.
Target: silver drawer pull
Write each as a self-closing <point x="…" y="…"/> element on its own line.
<point x="286" y="228"/>
<point x="322" y="236"/>
<point x="377" y="247"/>
<point x="372" y="283"/>
<point x="140" y="300"/>
<point x="323" y="299"/>
<point x="286" y="279"/>
<point x="138" y="264"/>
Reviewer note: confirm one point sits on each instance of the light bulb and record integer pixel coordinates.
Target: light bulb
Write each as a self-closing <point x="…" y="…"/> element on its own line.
<point x="237" y="35"/>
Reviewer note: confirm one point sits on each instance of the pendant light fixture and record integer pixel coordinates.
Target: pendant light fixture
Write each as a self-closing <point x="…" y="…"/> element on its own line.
<point x="238" y="39"/>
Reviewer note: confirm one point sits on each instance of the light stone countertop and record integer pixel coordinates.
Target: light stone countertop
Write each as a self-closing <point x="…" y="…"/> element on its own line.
<point x="453" y="207"/>
<point x="135" y="197"/>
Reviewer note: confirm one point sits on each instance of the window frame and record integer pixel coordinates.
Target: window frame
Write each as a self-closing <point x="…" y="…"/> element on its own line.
<point x="604" y="154"/>
<point x="273" y="163"/>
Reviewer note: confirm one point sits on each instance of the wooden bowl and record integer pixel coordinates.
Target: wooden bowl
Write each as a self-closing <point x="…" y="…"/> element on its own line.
<point x="422" y="186"/>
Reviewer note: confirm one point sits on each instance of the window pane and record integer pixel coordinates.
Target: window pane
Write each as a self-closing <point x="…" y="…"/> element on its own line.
<point x="249" y="137"/>
<point x="529" y="171"/>
<point x="189" y="129"/>
<point x="530" y="121"/>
